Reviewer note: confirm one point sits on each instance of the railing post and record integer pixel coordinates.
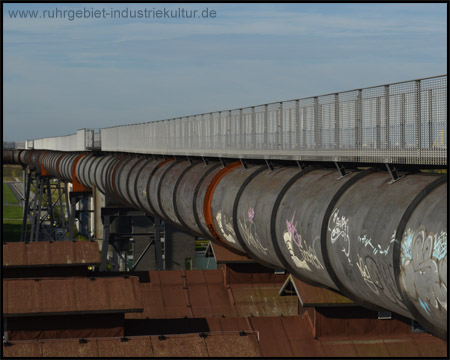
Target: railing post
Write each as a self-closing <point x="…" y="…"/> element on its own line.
<point x="336" y="121"/>
<point x="266" y="125"/>
<point x="280" y="134"/>
<point x="358" y="122"/>
<point x="203" y="135"/>
<point x="228" y="124"/>
<point x="253" y="141"/>
<point x="219" y="126"/>
<point x="304" y="128"/>
<point x="430" y="119"/>
<point x="402" y="121"/>
<point x="211" y="131"/>
<point x="418" y="117"/>
<point x="316" y="123"/>
<point x="386" y="104"/>
<point x="241" y="130"/>
<point x="297" y="124"/>
<point x="378" y="124"/>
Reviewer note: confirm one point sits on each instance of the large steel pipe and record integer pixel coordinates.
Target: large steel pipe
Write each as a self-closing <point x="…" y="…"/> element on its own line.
<point x="8" y="157"/>
<point x="154" y="185"/>
<point x="140" y="189"/>
<point x="121" y="179"/>
<point x="166" y="189"/>
<point x="420" y="257"/>
<point x="297" y="217"/>
<point x="222" y="204"/>
<point x="359" y="235"/>
<point x="131" y="184"/>
<point x="186" y="196"/>
<point x="381" y="243"/>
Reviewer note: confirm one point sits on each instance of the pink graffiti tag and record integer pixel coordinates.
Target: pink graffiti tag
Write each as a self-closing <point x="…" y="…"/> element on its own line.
<point x="293" y="231"/>
<point x="251" y="215"/>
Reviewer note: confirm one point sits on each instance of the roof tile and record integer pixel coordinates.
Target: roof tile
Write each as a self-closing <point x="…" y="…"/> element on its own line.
<point x="179" y="346"/>
<point x="132" y="347"/>
<point x="124" y="293"/>
<point x="430" y="346"/>
<point x="170" y="277"/>
<point x="23" y="349"/>
<point x="14" y="254"/>
<point x="272" y="336"/>
<point x="233" y="345"/>
<point x="339" y="348"/>
<point x="220" y="300"/>
<point x="214" y="276"/>
<point x="55" y="295"/>
<point x="307" y="348"/>
<point x="87" y="252"/>
<point x="38" y="253"/>
<point x="200" y="301"/>
<point x="223" y="255"/>
<point x="24" y="296"/>
<point x="62" y="252"/>
<point x="92" y="294"/>
<point x="175" y="301"/>
<point x="371" y="348"/>
<point x="236" y="324"/>
<point x="405" y="347"/>
<point x="297" y="327"/>
<point x="69" y="348"/>
<point x="44" y="253"/>
<point x="58" y="295"/>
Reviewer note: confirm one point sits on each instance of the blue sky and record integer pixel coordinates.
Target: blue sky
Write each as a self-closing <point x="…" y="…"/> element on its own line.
<point x="62" y="75"/>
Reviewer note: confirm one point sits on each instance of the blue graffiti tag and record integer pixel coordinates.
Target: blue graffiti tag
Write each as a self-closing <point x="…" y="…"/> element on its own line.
<point x="425" y="306"/>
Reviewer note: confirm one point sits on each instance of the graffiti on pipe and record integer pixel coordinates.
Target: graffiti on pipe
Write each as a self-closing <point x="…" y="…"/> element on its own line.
<point x="339" y="228"/>
<point x="424" y="268"/>
<point x="307" y="253"/>
<point x="367" y="242"/>
<point x="249" y="232"/>
<point x="377" y="275"/>
<point x="226" y="228"/>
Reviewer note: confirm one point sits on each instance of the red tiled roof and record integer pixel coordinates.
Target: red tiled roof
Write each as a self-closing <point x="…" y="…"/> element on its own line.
<point x="315" y="296"/>
<point x="70" y="295"/>
<point x="44" y="253"/>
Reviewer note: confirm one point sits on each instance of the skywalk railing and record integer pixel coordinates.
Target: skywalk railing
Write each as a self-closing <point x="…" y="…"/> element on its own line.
<point x="403" y="122"/>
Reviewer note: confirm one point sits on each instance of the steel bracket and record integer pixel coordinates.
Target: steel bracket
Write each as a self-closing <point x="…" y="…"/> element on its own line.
<point x="270" y="165"/>
<point x="393" y="173"/>
<point x="341" y="170"/>
<point x="205" y="160"/>
<point x="301" y="165"/>
<point x="244" y="164"/>
<point x="222" y="161"/>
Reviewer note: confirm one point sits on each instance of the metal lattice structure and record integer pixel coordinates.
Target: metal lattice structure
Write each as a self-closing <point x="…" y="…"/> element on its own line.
<point x="394" y="123"/>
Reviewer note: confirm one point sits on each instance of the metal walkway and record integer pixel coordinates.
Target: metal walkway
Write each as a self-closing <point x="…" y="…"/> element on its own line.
<point x="403" y="123"/>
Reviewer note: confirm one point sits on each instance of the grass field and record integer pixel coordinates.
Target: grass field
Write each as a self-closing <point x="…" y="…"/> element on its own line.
<point x="8" y="196"/>
<point x="12" y="212"/>
<point x="11" y="228"/>
<point x="11" y="172"/>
